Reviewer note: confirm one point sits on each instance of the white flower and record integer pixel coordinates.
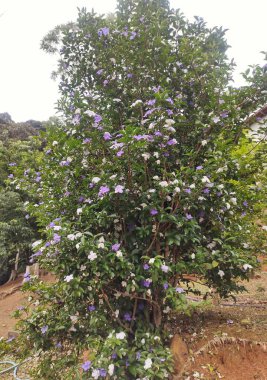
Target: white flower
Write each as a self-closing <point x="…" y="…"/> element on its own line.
<point x="146" y="156"/>
<point x="177" y="190"/>
<point x="71" y="237"/>
<point x="247" y="266"/>
<point x="234" y="201"/>
<point x="83" y="268"/>
<point x="57" y="228"/>
<point x="95" y="180"/>
<point x="151" y="261"/>
<point x="111" y="369"/>
<point x="121" y="335"/>
<point x="95" y="374"/>
<point x="54" y="143"/>
<point x="205" y="179"/>
<point x="92" y="256"/>
<point x="117" y="312"/>
<point x="169" y="121"/>
<point x="37" y="242"/>
<point x="143" y="341"/>
<point x="156" y="154"/>
<point x="68" y="278"/>
<point x="264" y="228"/>
<point x="193" y="186"/>
<point x="193" y="256"/>
<point x="163" y="183"/>
<point x="119" y="253"/>
<point x="156" y="178"/>
<point x="124" y="284"/>
<point x="204" y="142"/>
<point x="136" y="103"/>
<point x="221" y="273"/>
<point x="227" y="206"/>
<point x="148" y="363"/>
<point x="79" y="211"/>
<point x="90" y="113"/>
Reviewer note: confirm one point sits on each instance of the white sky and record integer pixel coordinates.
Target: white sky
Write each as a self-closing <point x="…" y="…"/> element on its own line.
<point x="26" y="88"/>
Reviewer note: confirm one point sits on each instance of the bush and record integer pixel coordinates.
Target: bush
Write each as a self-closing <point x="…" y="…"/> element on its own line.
<point x="140" y="186"/>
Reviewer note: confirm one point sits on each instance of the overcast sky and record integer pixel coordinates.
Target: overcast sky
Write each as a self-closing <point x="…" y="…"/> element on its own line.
<point x="28" y="92"/>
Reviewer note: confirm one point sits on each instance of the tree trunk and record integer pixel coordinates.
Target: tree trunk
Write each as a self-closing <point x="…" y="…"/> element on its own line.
<point x="14" y="271"/>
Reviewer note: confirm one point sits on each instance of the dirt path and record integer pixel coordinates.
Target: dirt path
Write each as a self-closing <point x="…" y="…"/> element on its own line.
<point x="10" y="299"/>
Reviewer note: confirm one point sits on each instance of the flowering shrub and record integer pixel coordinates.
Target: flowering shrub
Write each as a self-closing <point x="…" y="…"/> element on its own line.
<point x="140" y="186"/>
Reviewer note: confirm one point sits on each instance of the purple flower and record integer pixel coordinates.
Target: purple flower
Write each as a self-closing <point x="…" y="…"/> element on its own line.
<point x="38" y="179"/>
<point x="179" y="290"/>
<point x="169" y="112"/>
<point x="138" y="355"/>
<point x="153" y="212"/>
<point x="103" y="31"/>
<point x="76" y="119"/>
<point x="224" y="114"/>
<point x="133" y="35"/>
<point x="120" y="153"/>
<point x="99" y="72"/>
<point x="172" y="142"/>
<point x="107" y="136"/>
<point x="158" y="133"/>
<point x="102" y="372"/>
<point x="188" y="191"/>
<point x="56" y="238"/>
<point x="12" y="164"/>
<point x="26" y="277"/>
<point x="11" y="176"/>
<point x="206" y="190"/>
<point x="97" y="118"/>
<point x="86" y="365"/>
<point x="127" y="317"/>
<point x="91" y="308"/>
<point x="44" y="329"/>
<point x="146" y="283"/>
<point x="151" y="102"/>
<point x="87" y="140"/>
<point x="199" y="167"/>
<point x="114" y="355"/>
<point x="230" y="321"/>
<point x="119" y="189"/>
<point x="146" y="266"/>
<point x="103" y="190"/>
<point x="165" y="268"/>
<point x="169" y="100"/>
<point x="129" y="75"/>
<point x="156" y="89"/>
<point x="106" y="82"/>
<point x="245" y="203"/>
<point x="165" y="286"/>
<point x="188" y="216"/>
<point x="115" y="247"/>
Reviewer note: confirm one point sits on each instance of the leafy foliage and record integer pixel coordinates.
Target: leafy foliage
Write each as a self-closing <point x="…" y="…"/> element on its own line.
<point x="141" y="186"/>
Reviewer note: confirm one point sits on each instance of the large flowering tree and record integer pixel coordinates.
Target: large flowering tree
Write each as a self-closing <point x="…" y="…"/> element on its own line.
<point x="140" y="186"/>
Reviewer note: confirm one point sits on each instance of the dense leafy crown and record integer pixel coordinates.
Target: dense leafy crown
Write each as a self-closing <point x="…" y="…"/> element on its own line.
<point x="142" y="184"/>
